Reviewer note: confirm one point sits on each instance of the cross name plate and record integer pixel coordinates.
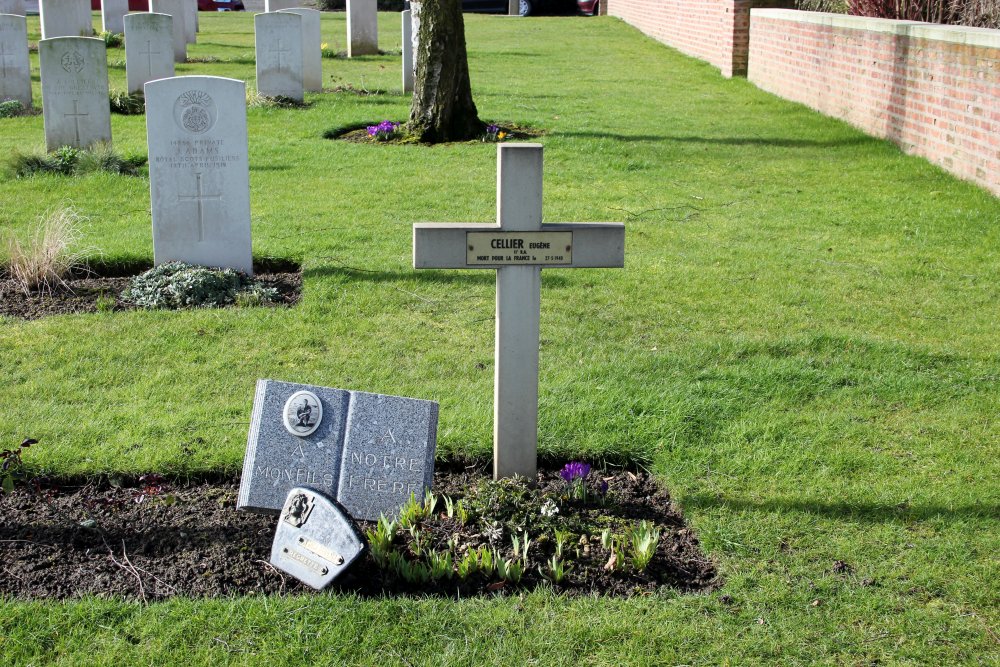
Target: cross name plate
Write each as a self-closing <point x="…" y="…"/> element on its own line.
<point x="314" y="541"/>
<point x="519" y="248"/>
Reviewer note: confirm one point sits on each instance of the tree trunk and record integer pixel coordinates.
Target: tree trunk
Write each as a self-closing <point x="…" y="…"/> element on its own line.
<point x="442" y="108"/>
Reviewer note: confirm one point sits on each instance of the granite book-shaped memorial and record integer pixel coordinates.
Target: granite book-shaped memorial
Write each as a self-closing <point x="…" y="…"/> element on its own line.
<point x="321" y="456"/>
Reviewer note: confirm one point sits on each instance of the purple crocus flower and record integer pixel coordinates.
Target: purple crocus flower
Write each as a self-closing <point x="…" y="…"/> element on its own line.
<point x="492" y="129"/>
<point x="574" y="470"/>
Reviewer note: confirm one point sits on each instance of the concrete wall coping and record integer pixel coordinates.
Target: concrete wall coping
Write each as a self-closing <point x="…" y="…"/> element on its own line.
<point x="982" y="37"/>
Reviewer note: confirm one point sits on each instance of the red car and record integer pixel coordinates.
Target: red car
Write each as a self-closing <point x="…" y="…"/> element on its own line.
<point x="203" y="5"/>
<point x="589" y="7"/>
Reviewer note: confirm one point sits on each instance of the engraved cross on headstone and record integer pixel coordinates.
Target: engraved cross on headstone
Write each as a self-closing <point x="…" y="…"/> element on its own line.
<point x="279" y="51"/>
<point x="199" y="198"/>
<point x="76" y="115"/>
<point x="517" y="247"/>
<point x="4" y="54"/>
<point x="149" y="53"/>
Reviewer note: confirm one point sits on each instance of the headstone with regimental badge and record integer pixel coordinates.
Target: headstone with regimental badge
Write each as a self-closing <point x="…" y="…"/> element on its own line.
<point x="199" y="172"/>
<point x="174" y="8"/>
<point x="149" y="44"/>
<point x="75" y="105"/>
<point x="65" y="18"/>
<point x="312" y="48"/>
<point x="15" y="69"/>
<point x="370" y="452"/>
<point x="315" y="541"/>
<point x="278" y="41"/>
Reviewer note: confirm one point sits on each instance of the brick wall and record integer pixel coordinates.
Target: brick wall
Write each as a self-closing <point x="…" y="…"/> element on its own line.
<point x="932" y="89"/>
<point x="713" y="30"/>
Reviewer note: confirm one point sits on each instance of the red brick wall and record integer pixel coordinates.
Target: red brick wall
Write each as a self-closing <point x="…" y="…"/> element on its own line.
<point x="712" y="30"/>
<point x="934" y="90"/>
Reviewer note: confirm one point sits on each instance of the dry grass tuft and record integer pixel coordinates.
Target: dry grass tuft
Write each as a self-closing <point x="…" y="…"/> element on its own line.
<point x="45" y="262"/>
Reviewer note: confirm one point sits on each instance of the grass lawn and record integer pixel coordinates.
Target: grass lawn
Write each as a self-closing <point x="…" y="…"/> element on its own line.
<point x="803" y="345"/>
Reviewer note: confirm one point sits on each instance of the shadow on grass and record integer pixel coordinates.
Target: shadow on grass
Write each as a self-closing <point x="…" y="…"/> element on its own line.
<point x="726" y="141"/>
<point x="443" y="277"/>
<point x="845" y="509"/>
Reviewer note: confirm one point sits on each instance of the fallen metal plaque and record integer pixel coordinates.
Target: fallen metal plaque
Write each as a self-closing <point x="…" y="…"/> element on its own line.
<point x="315" y="541"/>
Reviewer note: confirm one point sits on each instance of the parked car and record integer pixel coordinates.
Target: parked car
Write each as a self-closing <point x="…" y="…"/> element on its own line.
<point x="527" y="7"/>
<point x="203" y="5"/>
<point x="589" y="7"/>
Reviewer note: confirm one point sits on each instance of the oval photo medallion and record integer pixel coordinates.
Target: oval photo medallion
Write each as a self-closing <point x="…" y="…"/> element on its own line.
<point x="303" y="413"/>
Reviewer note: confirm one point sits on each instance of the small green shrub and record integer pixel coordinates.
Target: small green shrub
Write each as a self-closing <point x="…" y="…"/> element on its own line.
<point x="112" y="40"/>
<point x="127" y="104"/>
<point x="177" y="285"/>
<point x="70" y="161"/>
<point x="11" y="109"/>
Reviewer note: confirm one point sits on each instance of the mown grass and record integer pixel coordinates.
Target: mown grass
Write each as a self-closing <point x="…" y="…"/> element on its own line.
<point x="802" y="345"/>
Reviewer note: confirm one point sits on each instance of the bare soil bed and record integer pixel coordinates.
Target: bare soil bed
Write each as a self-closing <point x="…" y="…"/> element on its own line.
<point x="100" y="290"/>
<point x="152" y="538"/>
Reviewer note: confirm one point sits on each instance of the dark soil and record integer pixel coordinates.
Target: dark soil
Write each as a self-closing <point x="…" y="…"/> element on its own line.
<point x="153" y="538"/>
<point x="100" y="290"/>
<point x="358" y="134"/>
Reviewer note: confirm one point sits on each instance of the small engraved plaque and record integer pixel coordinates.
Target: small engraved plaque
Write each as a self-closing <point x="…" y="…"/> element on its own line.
<point x="303" y="413"/>
<point x="524" y="248"/>
<point x="315" y="541"/>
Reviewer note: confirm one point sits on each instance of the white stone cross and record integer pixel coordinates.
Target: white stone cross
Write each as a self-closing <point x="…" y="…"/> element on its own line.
<point x="518" y="246"/>
<point x="149" y="53"/>
<point x="199" y="198"/>
<point x="76" y="115"/>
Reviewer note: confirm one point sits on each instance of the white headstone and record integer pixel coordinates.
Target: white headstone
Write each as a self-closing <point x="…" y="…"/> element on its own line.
<point x="65" y="18"/>
<point x="191" y="21"/>
<point x="112" y="15"/>
<point x="199" y="173"/>
<point x="149" y="49"/>
<point x="408" y="66"/>
<point x="15" y="7"/>
<point x="414" y="32"/>
<point x="278" y="39"/>
<point x="362" y="28"/>
<point x="312" y="48"/>
<point x="174" y="8"/>
<point x="517" y="247"/>
<point x="74" y="91"/>
<point x="278" y="5"/>
<point x="15" y="69"/>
